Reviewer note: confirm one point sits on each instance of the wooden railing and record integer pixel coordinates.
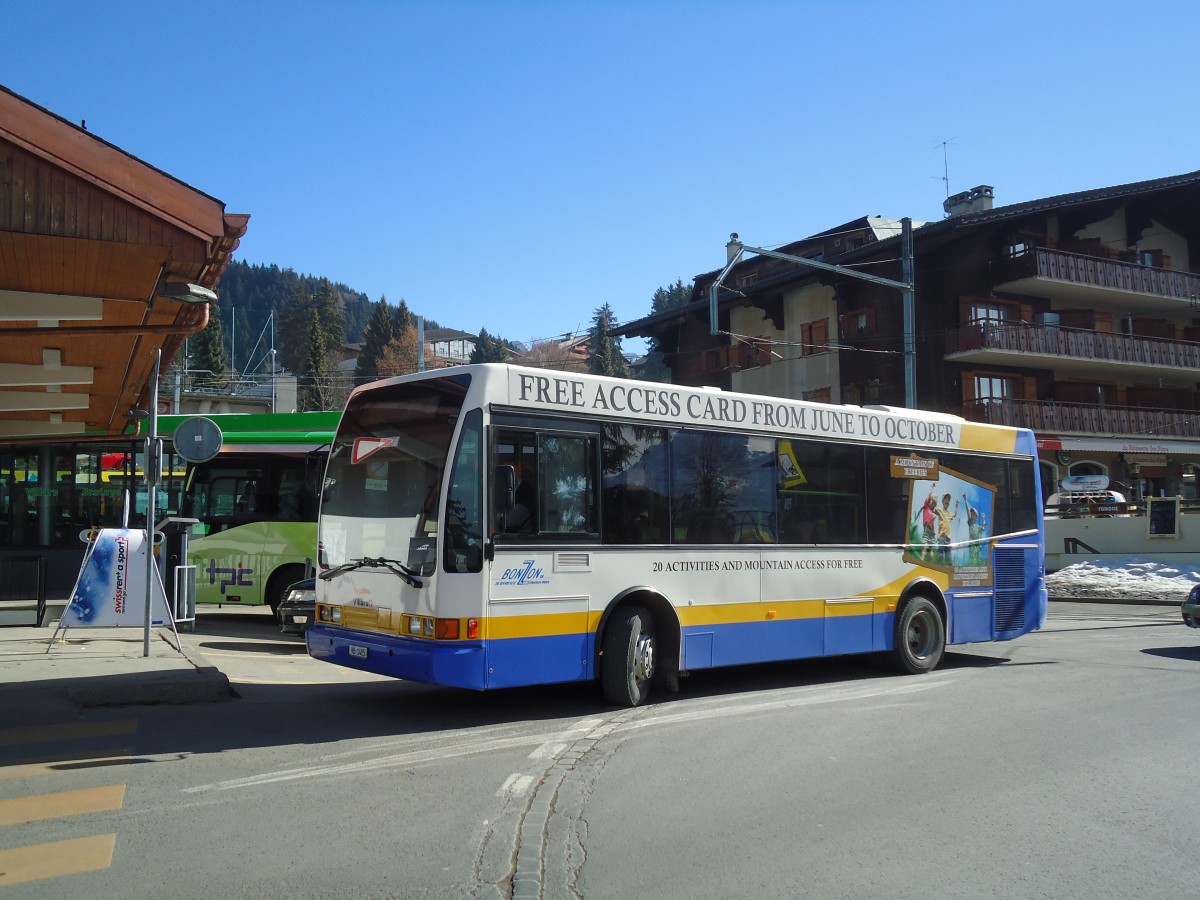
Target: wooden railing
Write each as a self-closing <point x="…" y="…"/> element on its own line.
<point x="1103" y="273"/>
<point x="1074" y="342"/>
<point x="1084" y="418"/>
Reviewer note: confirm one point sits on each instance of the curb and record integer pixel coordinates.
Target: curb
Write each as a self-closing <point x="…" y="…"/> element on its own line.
<point x="205" y="685"/>
<point x="1123" y="601"/>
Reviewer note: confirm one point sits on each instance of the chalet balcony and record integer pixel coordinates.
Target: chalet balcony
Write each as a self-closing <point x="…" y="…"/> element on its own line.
<point x="1082" y="418"/>
<point x="1076" y="279"/>
<point x="1072" y="352"/>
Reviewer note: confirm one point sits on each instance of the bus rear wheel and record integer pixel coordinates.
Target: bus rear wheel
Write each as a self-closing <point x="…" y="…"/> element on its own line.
<point x="628" y="662"/>
<point x="920" y="637"/>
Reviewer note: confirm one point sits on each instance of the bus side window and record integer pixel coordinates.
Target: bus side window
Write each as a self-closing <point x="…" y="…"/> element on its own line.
<point x="568" y="490"/>
<point x="247" y="501"/>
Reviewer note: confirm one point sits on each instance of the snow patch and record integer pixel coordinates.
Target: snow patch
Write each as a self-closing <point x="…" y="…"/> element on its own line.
<point x="1129" y="578"/>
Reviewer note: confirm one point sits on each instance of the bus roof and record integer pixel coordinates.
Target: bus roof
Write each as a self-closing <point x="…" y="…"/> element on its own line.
<point x="291" y="431"/>
<point x="571" y="393"/>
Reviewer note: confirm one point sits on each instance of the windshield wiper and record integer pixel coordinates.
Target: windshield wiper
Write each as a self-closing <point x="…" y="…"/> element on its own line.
<point x="397" y="568"/>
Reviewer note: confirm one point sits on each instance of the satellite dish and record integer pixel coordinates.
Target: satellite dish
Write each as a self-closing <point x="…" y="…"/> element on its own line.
<point x="198" y="439"/>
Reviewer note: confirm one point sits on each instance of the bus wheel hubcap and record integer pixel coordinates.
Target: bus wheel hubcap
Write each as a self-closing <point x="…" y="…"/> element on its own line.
<point x="643" y="659"/>
<point x="920" y="636"/>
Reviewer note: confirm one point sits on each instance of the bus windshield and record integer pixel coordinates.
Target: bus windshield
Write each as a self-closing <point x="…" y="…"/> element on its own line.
<point x="383" y="482"/>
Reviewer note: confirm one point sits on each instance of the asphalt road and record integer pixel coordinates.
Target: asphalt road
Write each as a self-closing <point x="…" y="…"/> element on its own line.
<point x="1058" y="765"/>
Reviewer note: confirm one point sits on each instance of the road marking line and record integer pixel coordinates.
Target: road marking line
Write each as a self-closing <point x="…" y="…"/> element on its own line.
<point x="34" y="734"/>
<point x="56" y="858"/>
<point x="721" y="707"/>
<point x="515" y="785"/>
<point x="559" y="742"/>
<point x="38" y="807"/>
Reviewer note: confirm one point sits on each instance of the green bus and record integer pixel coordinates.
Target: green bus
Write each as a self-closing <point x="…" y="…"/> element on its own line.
<point x="256" y="505"/>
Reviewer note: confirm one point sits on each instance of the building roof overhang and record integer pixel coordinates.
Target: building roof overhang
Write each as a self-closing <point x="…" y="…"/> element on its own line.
<point x="104" y="262"/>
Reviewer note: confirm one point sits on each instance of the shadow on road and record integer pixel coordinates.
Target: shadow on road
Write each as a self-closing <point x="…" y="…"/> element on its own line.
<point x="326" y="713"/>
<point x="1188" y="654"/>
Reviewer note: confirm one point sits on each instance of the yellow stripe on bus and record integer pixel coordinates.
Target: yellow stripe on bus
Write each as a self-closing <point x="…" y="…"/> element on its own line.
<point x="882" y="599"/>
<point x="988" y="438"/>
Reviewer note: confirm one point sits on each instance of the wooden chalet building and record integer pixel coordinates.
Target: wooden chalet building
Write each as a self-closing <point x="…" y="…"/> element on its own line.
<point x="1077" y="316"/>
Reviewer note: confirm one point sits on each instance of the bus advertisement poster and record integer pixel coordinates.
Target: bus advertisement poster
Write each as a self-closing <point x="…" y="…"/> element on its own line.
<point x="949" y="526"/>
<point x="111" y="588"/>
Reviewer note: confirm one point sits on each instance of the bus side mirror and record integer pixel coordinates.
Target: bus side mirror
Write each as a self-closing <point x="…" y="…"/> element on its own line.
<point x="505" y="482"/>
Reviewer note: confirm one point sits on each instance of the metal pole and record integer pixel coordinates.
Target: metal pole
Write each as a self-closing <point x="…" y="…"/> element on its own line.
<point x="150" y="467"/>
<point x="910" y="337"/>
<point x="272" y="321"/>
<point x="420" y="343"/>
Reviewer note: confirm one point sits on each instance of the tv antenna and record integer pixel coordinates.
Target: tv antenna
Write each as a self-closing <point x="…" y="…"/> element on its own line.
<point x="946" y="163"/>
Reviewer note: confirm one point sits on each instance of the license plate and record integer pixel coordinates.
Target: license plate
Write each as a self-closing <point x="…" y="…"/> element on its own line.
<point x="299" y="619"/>
<point x="358" y="652"/>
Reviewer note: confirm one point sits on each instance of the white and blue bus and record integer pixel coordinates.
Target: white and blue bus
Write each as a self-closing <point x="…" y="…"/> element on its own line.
<point x="493" y="526"/>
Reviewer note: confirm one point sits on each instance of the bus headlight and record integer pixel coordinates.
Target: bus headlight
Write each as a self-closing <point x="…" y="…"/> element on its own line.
<point x="335" y="615"/>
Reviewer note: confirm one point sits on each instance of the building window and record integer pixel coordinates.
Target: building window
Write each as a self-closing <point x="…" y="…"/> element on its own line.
<point x="994" y="388"/>
<point x="746" y="280"/>
<point x="1018" y="246"/>
<point x="858" y="321"/>
<point x="819" y="395"/>
<point x="990" y="312"/>
<point x="814" y="337"/>
<point x="749" y="353"/>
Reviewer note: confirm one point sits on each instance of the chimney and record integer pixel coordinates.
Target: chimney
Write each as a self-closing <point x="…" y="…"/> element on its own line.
<point x="977" y="199"/>
<point x="733" y="248"/>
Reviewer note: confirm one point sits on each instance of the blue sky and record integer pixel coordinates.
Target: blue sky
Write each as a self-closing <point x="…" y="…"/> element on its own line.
<point x="514" y="165"/>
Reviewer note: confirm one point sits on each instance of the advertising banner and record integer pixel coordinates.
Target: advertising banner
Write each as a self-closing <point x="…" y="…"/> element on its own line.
<point x="949" y="526"/>
<point x="111" y="588"/>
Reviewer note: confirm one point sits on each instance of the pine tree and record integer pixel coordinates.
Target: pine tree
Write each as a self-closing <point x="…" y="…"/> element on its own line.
<point x="606" y="358"/>
<point x="671" y="297"/>
<point x="207" y="350"/>
<point x="331" y="317"/>
<point x="487" y="349"/>
<point x="379" y="333"/>
<point x="296" y="321"/>
<point x="315" y="372"/>
<point x="402" y="319"/>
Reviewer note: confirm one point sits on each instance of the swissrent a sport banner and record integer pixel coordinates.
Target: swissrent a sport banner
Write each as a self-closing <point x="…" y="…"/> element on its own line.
<point x="111" y="588"/>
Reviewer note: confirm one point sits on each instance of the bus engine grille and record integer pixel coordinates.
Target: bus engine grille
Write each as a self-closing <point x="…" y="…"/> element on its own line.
<point x="1009" y="568"/>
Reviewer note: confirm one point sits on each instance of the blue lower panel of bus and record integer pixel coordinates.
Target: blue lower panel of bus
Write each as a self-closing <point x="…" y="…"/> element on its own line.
<point x="505" y="663"/>
<point x="459" y="664"/>
<point x="710" y="646"/>
<point x="513" y="662"/>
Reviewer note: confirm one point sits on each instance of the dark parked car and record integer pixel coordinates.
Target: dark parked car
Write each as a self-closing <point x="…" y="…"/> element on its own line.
<point x="1191" y="608"/>
<point x="298" y="607"/>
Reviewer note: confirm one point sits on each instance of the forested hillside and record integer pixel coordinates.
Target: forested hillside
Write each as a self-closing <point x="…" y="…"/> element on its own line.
<point x="250" y="293"/>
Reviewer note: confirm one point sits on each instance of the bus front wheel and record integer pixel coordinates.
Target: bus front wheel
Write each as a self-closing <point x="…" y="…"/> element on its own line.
<point x="628" y="662"/>
<point x="920" y="637"/>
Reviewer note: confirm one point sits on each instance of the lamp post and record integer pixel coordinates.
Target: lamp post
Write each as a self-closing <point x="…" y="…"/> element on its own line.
<point x="150" y="466"/>
<point x="272" y="355"/>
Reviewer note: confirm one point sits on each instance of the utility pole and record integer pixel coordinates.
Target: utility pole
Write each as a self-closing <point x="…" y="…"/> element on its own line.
<point x="735" y="249"/>
<point x="910" y="314"/>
